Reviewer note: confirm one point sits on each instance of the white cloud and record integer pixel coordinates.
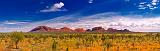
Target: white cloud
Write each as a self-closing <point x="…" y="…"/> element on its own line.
<point x="55" y="7"/>
<point x="142" y="7"/>
<point x="9" y="26"/>
<point x="154" y="1"/>
<point x="131" y="22"/>
<point x="14" y="22"/>
<point x="90" y="1"/>
<point x="106" y="20"/>
<point x="8" y="29"/>
<point x="143" y="3"/>
<point x="148" y="5"/>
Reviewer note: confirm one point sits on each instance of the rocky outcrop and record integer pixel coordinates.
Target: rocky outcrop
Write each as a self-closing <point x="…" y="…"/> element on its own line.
<point x="88" y="30"/>
<point x="125" y="30"/>
<point x="43" y="29"/>
<point x="98" y="29"/>
<point x="66" y="29"/>
<point x="49" y="29"/>
<point x="111" y="30"/>
<point x="115" y="30"/>
<point x="79" y="30"/>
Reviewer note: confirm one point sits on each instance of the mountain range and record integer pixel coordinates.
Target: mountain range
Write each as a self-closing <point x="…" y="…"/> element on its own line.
<point x="66" y="29"/>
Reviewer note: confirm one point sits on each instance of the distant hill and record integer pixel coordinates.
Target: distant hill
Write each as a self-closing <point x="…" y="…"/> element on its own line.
<point x="66" y="29"/>
<point x="43" y="29"/>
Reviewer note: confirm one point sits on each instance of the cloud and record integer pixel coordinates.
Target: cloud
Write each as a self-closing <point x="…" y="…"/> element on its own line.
<point x="56" y="7"/>
<point x="90" y="1"/>
<point x="107" y="20"/>
<point x="9" y="26"/>
<point x="154" y="0"/>
<point x="10" y="29"/>
<point x="14" y="22"/>
<point x="132" y="22"/>
<point x="148" y="5"/>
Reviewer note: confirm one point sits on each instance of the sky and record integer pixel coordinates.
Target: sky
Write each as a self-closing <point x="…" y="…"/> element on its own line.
<point x="135" y="15"/>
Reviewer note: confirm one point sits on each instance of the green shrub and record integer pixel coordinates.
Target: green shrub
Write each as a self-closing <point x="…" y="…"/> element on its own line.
<point x="54" y="45"/>
<point x="16" y="37"/>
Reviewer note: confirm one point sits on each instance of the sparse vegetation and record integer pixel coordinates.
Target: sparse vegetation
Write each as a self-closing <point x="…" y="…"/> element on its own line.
<point x="80" y="41"/>
<point x="16" y="37"/>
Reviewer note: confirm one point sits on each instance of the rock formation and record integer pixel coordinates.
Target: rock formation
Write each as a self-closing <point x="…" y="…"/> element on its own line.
<point x="43" y="29"/>
<point x="98" y="29"/>
<point x="79" y="30"/>
<point x="66" y="29"/>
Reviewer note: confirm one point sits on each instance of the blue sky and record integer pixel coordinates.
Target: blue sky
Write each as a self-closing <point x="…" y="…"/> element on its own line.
<point x="23" y="15"/>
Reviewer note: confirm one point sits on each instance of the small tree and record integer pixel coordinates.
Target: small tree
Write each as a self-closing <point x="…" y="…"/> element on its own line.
<point x="16" y="37"/>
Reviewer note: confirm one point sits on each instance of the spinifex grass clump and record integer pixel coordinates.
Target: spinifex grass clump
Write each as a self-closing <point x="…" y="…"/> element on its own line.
<point x="16" y="37"/>
<point x="54" y="45"/>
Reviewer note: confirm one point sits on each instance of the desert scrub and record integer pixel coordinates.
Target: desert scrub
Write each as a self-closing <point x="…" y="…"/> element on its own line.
<point x="54" y="45"/>
<point x="16" y="37"/>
